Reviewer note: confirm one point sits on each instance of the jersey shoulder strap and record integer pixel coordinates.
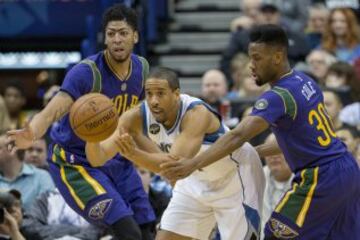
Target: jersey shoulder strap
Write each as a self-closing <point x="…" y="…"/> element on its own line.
<point x="97" y="79"/>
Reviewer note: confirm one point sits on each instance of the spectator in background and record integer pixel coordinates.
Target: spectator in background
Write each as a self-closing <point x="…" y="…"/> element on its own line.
<point x="319" y="62"/>
<point x="294" y="14"/>
<point x="10" y="202"/>
<point x="357" y="154"/>
<point x="238" y="66"/>
<point x="37" y="154"/>
<point x="350" y="114"/>
<point x="213" y="87"/>
<point x="4" y="116"/>
<point x="342" y="35"/>
<point x="51" y="218"/>
<point x="27" y="179"/>
<point x="269" y="14"/>
<point x="333" y="106"/>
<point x="316" y="25"/>
<point x="249" y="15"/>
<point x="247" y="87"/>
<point x="278" y="178"/>
<point x="15" y="101"/>
<point x="341" y="77"/>
<point x="350" y="137"/>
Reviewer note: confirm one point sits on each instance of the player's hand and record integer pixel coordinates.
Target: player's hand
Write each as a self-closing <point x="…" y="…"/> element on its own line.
<point x="20" y="138"/>
<point x="126" y="145"/>
<point x="175" y="170"/>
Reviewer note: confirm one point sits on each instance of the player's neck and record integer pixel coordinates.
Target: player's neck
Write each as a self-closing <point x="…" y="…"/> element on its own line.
<point x="286" y="69"/>
<point x="169" y="123"/>
<point x="121" y="69"/>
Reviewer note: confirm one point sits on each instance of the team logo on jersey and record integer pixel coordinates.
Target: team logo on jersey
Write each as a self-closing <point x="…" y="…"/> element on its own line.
<point x="154" y="128"/>
<point x="281" y="230"/>
<point x="98" y="211"/>
<point x="261" y="104"/>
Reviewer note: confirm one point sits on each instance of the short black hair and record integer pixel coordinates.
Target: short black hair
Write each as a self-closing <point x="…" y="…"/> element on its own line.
<point x="269" y="34"/>
<point x="167" y="74"/>
<point x="119" y="12"/>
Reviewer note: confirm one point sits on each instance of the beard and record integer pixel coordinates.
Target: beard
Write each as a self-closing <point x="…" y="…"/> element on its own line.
<point x="259" y="82"/>
<point x="119" y="59"/>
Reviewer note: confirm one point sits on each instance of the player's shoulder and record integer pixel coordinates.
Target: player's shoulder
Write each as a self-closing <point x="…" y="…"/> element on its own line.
<point x="86" y="66"/>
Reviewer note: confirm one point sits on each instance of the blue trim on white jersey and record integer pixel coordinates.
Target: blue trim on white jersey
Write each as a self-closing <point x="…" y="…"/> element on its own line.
<point x="253" y="216"/>
<point x="177" y="120"/>
<point x="144" y="121"/>
<point x="212" y="137"/>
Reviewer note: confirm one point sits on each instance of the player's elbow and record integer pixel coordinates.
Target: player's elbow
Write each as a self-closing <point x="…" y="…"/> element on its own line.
<point x="95" y="163"/>
<point x="94" y="159"/>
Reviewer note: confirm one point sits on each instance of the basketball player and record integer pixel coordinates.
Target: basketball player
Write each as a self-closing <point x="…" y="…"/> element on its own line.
<point x="228" y="191"/>
<point x="111" y="195"/>
<point x="324" y="200"/>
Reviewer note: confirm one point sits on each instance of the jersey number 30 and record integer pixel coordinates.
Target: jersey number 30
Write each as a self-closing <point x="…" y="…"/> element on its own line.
<point x="323" y="125"/>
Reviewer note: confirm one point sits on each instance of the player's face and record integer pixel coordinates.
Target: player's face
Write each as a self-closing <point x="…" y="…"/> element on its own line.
<point x="262" y="63"/>
<point x="162" y="100"/>
<point x="120" y="39"/>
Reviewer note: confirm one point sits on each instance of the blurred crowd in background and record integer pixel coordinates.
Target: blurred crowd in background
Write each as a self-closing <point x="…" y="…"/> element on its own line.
<point x="324" y="43"/>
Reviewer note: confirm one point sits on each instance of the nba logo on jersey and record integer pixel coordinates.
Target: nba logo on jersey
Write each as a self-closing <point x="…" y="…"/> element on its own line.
<point x="154" y="128"/>
<point x="281" y="230"/>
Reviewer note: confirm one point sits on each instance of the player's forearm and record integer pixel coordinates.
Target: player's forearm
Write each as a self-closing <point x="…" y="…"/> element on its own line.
<point x="97" y="155"/>
<point x="221" y="148"/>
<point x="55" y="110"/>
<point x="150" y="161"/>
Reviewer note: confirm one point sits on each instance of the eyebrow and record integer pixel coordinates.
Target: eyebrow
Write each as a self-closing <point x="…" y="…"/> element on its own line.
<point x="118" y="29"/>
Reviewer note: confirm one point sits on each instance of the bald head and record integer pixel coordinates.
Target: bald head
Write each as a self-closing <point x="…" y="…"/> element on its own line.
<point x="213" y="86"/>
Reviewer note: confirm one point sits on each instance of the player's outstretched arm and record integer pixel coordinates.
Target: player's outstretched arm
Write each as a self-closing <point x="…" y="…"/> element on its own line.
<point x="187" y="144"/>
<point x="248" y="128"/>
<point x="225" y="145"/>
<point x="130" y="123"/>
<point x="58" y="106"/>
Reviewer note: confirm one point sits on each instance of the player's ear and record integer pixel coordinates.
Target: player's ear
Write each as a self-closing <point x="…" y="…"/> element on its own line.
<point x="136" y="37"/>
<point x="177" y="92"/>
<point x="278" y="57"/>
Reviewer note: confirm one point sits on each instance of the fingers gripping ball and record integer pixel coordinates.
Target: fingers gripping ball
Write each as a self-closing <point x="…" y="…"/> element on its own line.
<point x="93" y="117"/>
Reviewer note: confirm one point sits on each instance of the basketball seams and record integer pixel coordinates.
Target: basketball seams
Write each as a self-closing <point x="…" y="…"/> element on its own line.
<point x="73" y="114"/>
<point x="80" y="124"/>
<point x="102" y="130"/>
<point x="93" y="117"/>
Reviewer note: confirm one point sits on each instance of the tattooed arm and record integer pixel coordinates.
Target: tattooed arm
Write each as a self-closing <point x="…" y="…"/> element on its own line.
<point x="58" y="106"/>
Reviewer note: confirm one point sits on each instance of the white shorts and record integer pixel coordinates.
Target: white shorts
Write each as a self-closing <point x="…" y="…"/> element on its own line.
<point x="234" y="202"/>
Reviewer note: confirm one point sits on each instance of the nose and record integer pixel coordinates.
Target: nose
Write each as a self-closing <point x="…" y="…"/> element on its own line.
<point x="117" y="37"/>
<point x="154" y="101"/>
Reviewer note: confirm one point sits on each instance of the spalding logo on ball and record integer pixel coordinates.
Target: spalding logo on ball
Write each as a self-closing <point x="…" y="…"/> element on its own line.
<point x="93" y="117"/>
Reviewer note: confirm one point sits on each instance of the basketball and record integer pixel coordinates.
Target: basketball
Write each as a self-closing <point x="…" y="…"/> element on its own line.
<point x="93" y="117"/>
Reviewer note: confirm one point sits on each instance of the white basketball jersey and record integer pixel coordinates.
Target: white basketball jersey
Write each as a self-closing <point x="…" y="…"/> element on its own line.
<point x="164" y="138"/>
